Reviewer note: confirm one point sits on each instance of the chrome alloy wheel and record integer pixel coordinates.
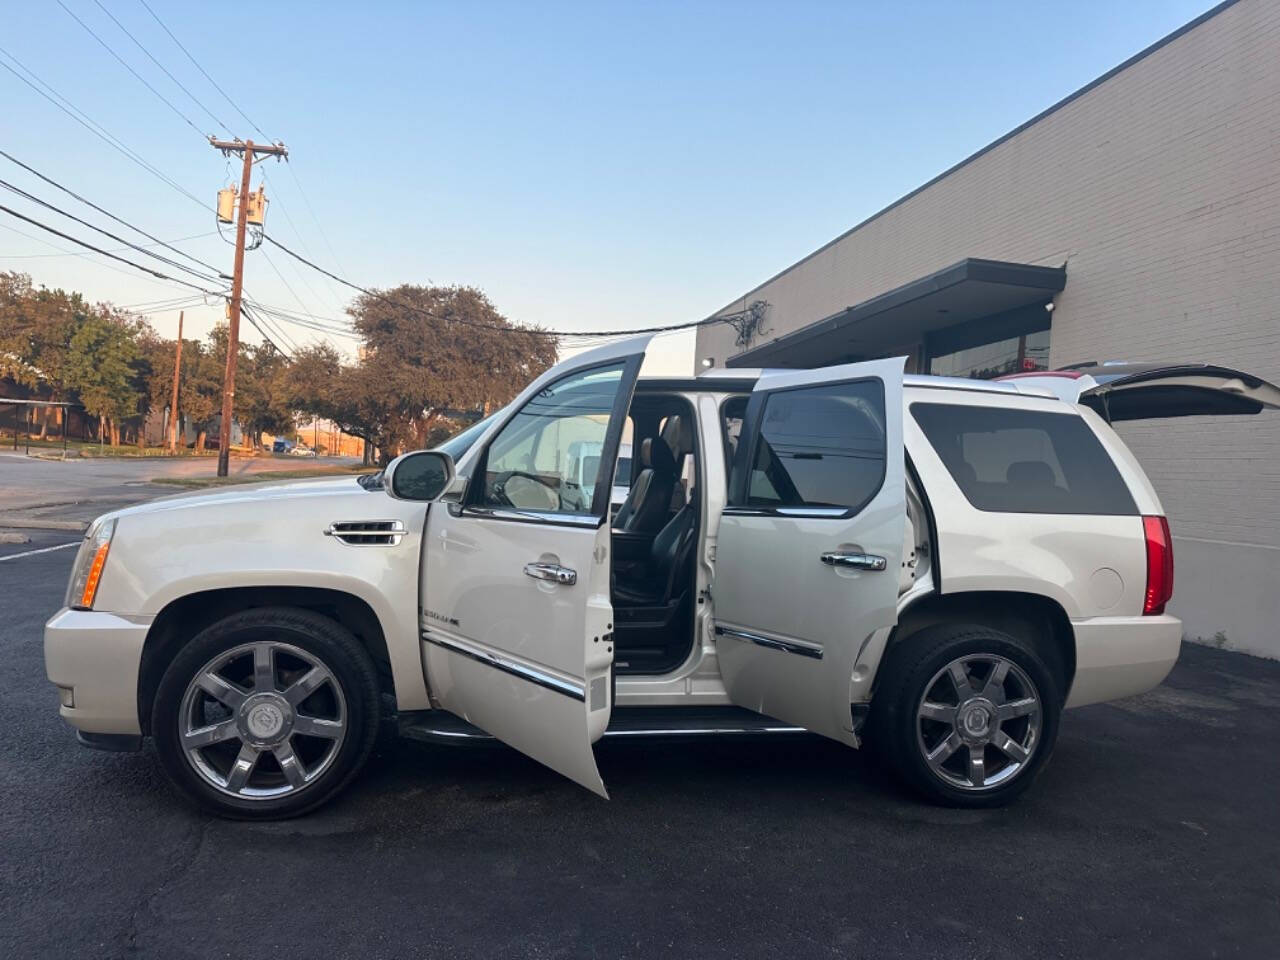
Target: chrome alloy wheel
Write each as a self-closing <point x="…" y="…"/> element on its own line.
<point x="979" y="721"/>
<point x="262" y="720"/>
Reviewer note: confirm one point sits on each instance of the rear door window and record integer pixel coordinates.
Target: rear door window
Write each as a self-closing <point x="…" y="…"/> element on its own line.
<point x="820" y="446"/>
<point x="1024" y="461"/>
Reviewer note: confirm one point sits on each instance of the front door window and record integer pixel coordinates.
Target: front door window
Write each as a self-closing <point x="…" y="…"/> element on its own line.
<point x="546" y="459"/>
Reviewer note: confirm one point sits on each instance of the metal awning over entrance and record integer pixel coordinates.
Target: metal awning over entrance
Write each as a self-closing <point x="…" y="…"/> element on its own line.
<point x="947" y="300"/>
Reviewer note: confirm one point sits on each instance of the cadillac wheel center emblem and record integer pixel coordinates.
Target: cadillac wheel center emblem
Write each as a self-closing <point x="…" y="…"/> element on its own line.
<point x="265" y="720"/>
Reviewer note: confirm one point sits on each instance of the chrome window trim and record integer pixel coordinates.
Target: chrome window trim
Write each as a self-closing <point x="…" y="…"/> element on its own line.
<point x="800" y="647"/>
<point x="586" y="521"/>
<point x="568" y="688"/>
<point x="811" y="513"/>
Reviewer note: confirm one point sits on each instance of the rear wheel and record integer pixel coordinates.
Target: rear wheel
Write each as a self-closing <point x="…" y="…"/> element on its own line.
<point x="966" y="714"/>
<point x="266" y="714"/>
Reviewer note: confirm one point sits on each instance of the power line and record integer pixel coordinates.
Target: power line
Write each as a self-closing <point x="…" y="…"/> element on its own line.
<point x="107" y="213"/>
<point x="99" y="131"/>
<point x="89" y="246"/>
<point x="276" y="270"/>
<point x="169" y="303"/>
<point x="63" y="251"/>
<point x="266" y="336"/>
<point x="180" y="84"/>
<point x="224" y="93"/>
<point x="298" y="272"/>
<point x="334" y="322"/>
<point x="141" y="79"/>
<point x="285" y="317"/>
<point x="73" y="253"/>
<point x="259" y="322"/>
<point x="314" y="218"/>
<point x="106" y="233"/>
<point x="687" y="325"/>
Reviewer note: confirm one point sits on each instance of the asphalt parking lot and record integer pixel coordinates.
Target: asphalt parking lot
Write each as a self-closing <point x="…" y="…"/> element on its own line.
<point x="1153" y="833"/>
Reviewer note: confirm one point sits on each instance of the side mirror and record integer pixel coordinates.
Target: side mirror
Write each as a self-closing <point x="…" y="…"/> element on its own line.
<point x="422" y="475"/>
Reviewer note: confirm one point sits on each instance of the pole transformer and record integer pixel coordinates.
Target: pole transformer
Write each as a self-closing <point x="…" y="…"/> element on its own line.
<point x="246" y="149"/>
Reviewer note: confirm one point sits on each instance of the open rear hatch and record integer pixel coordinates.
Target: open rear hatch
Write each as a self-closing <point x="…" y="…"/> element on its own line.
<point x="1140" y="391"/>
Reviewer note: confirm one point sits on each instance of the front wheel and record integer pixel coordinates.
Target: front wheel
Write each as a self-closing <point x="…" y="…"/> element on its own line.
<point x="266" y="714"/>
<point x="966" y="714"/>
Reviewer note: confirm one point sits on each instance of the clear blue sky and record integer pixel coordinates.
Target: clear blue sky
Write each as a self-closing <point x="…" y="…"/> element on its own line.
<point x="588" y="165"/>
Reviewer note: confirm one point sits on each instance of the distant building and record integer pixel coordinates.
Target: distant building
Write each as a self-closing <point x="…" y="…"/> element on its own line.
<point x="1139" y="218"/>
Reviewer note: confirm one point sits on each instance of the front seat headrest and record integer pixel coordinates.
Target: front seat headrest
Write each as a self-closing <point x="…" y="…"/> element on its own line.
<point x="657" y="456"/>
<point x="678" y="435"/>
<point x="1035" y="474"/>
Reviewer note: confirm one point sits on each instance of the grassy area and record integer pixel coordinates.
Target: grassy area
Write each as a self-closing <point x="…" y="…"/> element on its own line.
<point x="193" y="483"/>
<point x="90" y="448"/>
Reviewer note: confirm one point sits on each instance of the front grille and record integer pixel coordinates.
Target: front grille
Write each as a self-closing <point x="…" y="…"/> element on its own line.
<point x="366" y="533"/>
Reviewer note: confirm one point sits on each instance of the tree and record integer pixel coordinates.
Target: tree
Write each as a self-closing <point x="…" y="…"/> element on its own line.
<point x="262" y="391"/>
<point x="200" y="388"/>
<point x="36" y="326"/>
<point x="429" y="353"/>
<point x="101" y="366"/>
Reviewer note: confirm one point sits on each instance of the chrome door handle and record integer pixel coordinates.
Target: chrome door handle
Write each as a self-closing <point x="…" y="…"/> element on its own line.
<point x="854" y="561"/>
<point x="552" y="572"/>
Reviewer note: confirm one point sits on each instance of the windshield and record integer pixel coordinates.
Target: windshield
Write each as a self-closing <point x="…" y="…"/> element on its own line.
<point x="460" y="443"/>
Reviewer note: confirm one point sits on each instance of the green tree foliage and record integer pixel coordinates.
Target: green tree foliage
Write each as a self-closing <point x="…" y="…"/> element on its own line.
<point x="429" y="357"/>
<point x="429" y="353"/>
<point x="36" y="327"/>
<point x="262" y="388"/>
<point x="103" y="367"/>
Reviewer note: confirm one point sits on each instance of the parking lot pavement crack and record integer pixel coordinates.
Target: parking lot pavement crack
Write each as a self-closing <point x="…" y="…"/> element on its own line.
<point x="182" y="864"/>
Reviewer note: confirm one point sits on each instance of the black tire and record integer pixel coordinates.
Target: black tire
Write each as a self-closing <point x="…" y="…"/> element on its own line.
<point x="915" y="666"/>
<point x="329" y="644"/>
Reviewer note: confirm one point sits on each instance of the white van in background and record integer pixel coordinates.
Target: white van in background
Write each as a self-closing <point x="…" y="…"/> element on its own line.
<point x="584" y="465"/>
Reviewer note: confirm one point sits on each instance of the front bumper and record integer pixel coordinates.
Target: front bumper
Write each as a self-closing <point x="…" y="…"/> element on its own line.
<point x="93" y="659"/>
<point x="1122" y="656"/>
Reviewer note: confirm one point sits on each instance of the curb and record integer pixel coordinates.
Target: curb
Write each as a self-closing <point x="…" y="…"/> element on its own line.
<point x="39" y="523"/>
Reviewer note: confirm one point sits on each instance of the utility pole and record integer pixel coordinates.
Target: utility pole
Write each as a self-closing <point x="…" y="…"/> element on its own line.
<point x="246" y="149"/>
<point x="173" y="407"/>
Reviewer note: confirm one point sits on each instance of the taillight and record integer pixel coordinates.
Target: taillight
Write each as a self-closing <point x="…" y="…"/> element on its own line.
<point x="1159" y="565"/>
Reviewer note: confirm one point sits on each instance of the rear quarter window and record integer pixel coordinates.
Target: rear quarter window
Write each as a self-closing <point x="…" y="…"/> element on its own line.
<point x="1024" y="461"/>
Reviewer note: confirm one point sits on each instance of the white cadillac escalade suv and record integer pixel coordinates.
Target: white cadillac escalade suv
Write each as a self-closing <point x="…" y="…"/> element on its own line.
<point x="937" y="566"/>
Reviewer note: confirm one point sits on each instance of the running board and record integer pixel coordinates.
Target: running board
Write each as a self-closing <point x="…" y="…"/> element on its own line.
<point x="640" y="723"/>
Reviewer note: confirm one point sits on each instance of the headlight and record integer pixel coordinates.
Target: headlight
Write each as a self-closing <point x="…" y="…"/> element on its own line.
<point x="90" y="560"/>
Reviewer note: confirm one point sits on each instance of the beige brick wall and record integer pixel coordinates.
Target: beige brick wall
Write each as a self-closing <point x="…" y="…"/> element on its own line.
<point x="1160" y="190"/>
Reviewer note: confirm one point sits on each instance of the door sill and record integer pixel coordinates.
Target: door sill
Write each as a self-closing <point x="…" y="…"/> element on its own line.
<point x="626" y="723"/>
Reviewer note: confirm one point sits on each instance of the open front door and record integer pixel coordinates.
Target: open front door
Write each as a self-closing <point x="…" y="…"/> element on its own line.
<point x="810" y="544"/>
<point x="516" y="617"/>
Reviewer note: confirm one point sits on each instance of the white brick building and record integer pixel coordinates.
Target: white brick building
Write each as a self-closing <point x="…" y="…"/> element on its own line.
<point x="1146" y="209"/>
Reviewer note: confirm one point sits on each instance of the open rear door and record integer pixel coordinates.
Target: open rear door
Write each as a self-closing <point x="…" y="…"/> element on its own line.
<point x="516" y="615"/>
<point x="810" y="544"/>
<point x="1141" y="391"/>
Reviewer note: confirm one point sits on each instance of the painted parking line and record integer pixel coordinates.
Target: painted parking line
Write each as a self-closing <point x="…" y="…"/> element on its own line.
<point x="32" y="553"/>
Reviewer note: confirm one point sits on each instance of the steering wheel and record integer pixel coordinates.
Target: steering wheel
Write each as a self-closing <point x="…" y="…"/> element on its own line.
<point x="532" y="481"/>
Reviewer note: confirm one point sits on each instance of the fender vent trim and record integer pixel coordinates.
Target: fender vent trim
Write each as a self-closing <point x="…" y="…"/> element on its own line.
<point x="366" y="533"/>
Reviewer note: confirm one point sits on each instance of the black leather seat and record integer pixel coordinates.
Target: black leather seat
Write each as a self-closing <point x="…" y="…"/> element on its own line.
<point x="648" y="504"/>
<point x="662" y="578"/>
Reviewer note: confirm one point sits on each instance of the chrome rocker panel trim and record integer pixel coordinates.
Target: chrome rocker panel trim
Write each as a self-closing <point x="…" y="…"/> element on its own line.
<point x="811" y="650"/>
<point x="568" y="688"/>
